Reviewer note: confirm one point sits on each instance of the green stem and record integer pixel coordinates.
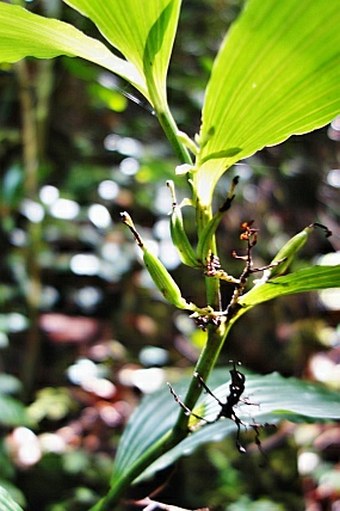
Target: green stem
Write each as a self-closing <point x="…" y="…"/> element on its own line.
<point x="212" y="285"/>
<point x="205" y="363"/>
<point x="216" y="334"/>
<point x="171" y="131"/>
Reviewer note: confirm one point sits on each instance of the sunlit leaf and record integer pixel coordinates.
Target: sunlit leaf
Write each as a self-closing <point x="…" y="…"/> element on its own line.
<point x="307" y="279"/>
<point x="277" y="74"/>
<point x="273" y="397"/>
<point x="25" y="34"/>
<point x="7" y="503"/>
<point x="142" y="31"/>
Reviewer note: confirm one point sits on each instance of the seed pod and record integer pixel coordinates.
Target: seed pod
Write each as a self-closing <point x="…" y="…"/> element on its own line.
<point x="288" y="252"/>
<point x="164" y="280"/>
<point x="178" y="234"/>
<point x="159" y="274"/>
<point x="204" y="242"/>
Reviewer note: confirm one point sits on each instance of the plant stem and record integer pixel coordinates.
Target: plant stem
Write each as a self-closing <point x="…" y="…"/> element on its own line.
<point x="205" y="363"/>
<point x="171" y="131"/>
<point x="216" y="334"/>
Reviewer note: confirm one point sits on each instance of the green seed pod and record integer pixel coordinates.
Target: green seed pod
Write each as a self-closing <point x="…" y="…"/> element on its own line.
<point x="164" y="280"/>
<point x="159" y="274"/>
<point x="206" y="236"/>
<point x="178" y="234"/>
<point x="288" y="252"/>
<point x="204" y="242"/>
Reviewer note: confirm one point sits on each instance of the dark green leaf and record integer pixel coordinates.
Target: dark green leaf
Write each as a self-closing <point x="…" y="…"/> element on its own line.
<point x="274" y="398"/>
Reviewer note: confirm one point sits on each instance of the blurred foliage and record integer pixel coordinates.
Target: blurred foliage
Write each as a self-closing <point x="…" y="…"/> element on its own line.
<point x="85" y="339"/>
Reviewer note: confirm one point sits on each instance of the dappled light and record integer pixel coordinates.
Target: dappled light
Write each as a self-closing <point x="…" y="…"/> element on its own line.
<point x="49" y="194"/>
<point x="124" y="145"/>
<point x="146" y="380"/>
<point x="24" y="447"/>
<point x="333" y="178"/>
<point x="108" y="190"/>
<point x="99" y="216"/>
<point x="334" y="130"/>
<point x="85" y="264"/>
<point x="64" y="209"/>
<point x="33" y="211"/>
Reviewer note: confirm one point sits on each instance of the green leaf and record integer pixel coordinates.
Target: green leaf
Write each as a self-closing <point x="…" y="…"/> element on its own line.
<point x="143" y="32"/>
<point x="277" y="74"/>
<point x="307" y="279"/>
<point x="13" y="412"/>
<point x="6" y="501"/>
<point x="155" y="416"/>
<point x="273" y="397"/>
<point x="25" y="34"/>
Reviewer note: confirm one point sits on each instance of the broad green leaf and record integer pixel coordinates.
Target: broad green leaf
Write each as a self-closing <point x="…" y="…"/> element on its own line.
<point x="156" y="414"/>
<point x="277" y="74"/>
<point x="7" y="503"/>
<point x="24" y="34"/>
<point x="273" y="397"/>
<point x="142" y="31"/>
<point x="301" y="281"/>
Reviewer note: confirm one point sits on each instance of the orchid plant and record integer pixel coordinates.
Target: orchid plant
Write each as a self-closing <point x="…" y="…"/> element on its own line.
<point x="277" y="73"/>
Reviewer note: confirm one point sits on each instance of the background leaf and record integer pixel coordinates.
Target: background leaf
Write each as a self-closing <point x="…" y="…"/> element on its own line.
<point x="13" y="412"/>
<point x="274" y="398"/>
<point x="22" y="33"/>
<point x="143" y="34"/>
<point x="6" y="501"/>
<point x="277" y="74"/>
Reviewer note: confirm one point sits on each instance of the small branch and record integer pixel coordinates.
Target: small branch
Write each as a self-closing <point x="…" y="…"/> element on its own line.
<point x="30" y="166"/>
